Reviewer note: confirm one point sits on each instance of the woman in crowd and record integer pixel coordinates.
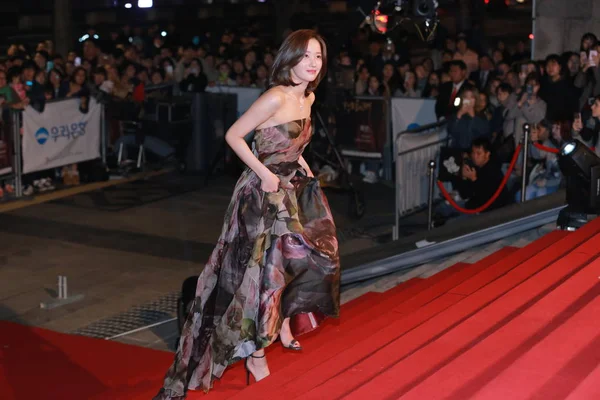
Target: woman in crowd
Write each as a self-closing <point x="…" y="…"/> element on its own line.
<point x="466" y="125"/>
<point x="194" y="79"/>
<point x="588" y="130"/>
<point x="545" y="176"/>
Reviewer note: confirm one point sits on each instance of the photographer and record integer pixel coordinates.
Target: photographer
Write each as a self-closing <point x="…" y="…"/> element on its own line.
<point x="479" y="178"/>
<point x="466" y="125"/>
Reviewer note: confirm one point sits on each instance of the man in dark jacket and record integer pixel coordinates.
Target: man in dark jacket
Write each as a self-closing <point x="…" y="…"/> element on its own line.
<point x="478" y="181"/>
<point x="481" y="178"/>
<point x="449" y="91"/>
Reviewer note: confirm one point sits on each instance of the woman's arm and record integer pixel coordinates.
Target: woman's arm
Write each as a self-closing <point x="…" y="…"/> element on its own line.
<point x="262" y="109"/>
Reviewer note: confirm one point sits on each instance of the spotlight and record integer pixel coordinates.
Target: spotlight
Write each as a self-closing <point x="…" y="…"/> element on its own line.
<point x="128" y="5"/>
<point x="390" y="14"/>
<point x="581" y="169"/>
<point x="144" y="3"/>
<point x="163" y="33"/>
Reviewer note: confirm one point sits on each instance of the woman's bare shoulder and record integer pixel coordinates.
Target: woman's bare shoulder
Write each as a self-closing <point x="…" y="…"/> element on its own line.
<point x="274" y="95"/>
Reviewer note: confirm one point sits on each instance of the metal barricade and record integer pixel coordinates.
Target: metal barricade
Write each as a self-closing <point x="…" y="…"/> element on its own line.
<point x="415" y="149"/>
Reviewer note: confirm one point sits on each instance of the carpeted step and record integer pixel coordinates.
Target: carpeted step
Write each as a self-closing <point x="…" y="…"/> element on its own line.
<point x="71" y="367"/>
<point x="546" y="351"/>
<point x="589" y="387"/>
<point x="377" y="355"/>
<point x="424" y="351"/>
<point x="290" y="381"/>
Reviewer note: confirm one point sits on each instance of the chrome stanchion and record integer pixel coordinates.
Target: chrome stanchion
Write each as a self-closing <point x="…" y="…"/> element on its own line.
<point x="526" y="134"/>
<point x="431" y="173"/>
<point x="18" y="158"/>
<point x="103" y="134"/>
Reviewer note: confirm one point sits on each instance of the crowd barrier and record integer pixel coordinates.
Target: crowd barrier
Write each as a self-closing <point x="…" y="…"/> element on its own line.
<point x="62" y="134"/>
<point x="414" y="149"/>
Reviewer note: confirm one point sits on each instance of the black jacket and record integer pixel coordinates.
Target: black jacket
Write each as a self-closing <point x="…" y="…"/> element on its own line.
<point x="561" y="99"/>
<point x="489" y="178"/>
<point x="443" y="108"/>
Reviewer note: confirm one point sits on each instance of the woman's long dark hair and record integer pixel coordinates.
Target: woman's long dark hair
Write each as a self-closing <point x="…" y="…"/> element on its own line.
<point x="290" y="54"/>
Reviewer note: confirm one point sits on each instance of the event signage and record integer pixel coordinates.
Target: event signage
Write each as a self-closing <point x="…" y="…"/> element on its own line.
<point x="60" y="135"/>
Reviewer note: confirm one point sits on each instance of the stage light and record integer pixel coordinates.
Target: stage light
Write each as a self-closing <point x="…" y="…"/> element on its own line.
<point x="84" y="38"/>
<point x="420" y="15"/>
<point x="581" y="169"/>
<point x="163" y="33"/>
<point x="128" y="5"/>
<point x="96" y="36"/>
<point x="144" y="3"/>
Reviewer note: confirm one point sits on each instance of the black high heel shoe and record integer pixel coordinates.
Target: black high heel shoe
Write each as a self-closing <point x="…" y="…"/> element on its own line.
<point x="248" y="369"/>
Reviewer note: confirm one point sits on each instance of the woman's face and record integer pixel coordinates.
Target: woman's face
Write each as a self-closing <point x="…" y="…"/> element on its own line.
<point x="512" y="79"/>
<point x="373" y="83"/>
<point x="268" y="60"/>
<point x="388" y="72"/>
<point x="238" y="67"/>
<point x="573" y="64"/>
<point x="483" y="101"/>
<point x="156" y="78"/>
<point x="421" y="72"/>
<point x="468" y="99"/>
<point x="80" y="77"/>
<point x="224" y="69"/>
<point x="586" y="44"/>
<point x="428" y="64"/>
<point x="434" y="80"/>
<point x="129" y="72"/>
<point x="309" y="67"/>
<point x="196" y="66"/>
<point x="497" y="56"/>
<point x="54" y="79"/>
<point x="40" y="77"/>
<point x="113" y="75"/>
<point x="261" y="72"/>
<point x="410" y="79"/>
<point x="250" y="58"/>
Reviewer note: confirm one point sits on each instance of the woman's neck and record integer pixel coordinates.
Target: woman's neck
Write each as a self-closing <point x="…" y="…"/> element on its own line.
<point x="299" y="90"/>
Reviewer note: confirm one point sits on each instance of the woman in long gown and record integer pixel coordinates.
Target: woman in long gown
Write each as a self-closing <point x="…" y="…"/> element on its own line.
<point x="275" y="269"/>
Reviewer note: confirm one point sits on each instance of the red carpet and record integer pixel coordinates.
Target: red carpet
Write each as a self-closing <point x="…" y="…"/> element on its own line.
<point x="519" y="324"/>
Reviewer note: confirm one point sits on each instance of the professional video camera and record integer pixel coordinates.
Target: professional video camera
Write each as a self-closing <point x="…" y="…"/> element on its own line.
<point x="390" y="14"/>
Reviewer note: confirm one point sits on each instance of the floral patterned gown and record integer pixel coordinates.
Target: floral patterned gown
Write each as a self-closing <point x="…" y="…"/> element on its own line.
<point x="277" y="257"/>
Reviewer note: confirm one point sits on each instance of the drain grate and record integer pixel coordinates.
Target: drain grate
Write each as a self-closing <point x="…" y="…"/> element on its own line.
<point x="138" y="317"/>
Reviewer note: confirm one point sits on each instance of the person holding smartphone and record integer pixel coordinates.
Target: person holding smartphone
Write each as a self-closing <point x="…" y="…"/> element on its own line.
<point x="587" y="79"/>
<point x="531" y="108"/>
<point x="466" y="125"/>
<point x="588" y="131"/>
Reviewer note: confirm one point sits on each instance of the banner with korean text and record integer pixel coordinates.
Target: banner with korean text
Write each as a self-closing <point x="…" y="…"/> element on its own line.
<point x="60" y="135"/>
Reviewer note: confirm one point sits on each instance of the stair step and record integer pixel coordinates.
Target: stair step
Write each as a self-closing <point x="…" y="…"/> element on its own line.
<point x="451" y="333"/>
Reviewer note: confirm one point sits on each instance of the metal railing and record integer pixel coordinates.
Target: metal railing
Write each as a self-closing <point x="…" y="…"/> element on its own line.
<point x="416" y="184"/>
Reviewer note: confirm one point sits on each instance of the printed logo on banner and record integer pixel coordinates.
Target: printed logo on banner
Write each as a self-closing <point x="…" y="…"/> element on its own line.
<point x="42" y="135"/>
<point x="70" y="131"/>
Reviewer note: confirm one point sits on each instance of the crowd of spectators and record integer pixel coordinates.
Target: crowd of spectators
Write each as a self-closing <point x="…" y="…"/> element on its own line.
<point x="485" y="94"/>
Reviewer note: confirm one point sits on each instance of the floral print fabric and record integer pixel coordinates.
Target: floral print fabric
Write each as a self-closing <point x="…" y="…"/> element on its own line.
<point x="277" y="257"/>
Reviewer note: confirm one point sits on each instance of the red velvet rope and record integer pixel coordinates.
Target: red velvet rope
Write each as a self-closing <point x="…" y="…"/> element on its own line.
<point x="546" y="148"/>
<point x="492" y="199"/>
